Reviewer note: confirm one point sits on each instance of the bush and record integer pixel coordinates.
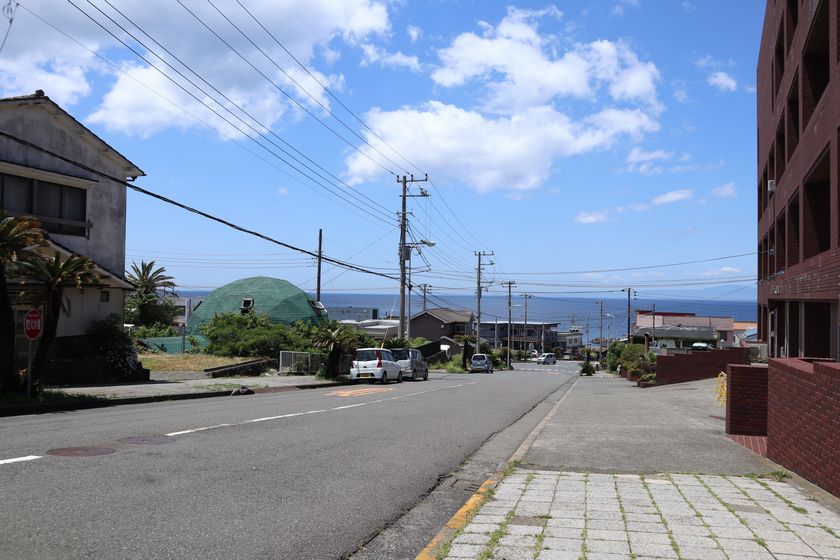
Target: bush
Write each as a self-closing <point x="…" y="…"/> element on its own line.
<point x="587" y="368"/>
<point x="631" y="356"/>
<point x="153" y="331"/>
<point x="648" y="378"/>
<point x="613" y="355"/>
<point x="109" y="340"/>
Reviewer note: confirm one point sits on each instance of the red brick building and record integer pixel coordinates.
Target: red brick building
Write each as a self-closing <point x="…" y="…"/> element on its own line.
<point x="798" y="102"/>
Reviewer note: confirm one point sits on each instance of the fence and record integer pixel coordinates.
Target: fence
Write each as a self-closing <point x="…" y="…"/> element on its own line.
<point x="307" y="363"/>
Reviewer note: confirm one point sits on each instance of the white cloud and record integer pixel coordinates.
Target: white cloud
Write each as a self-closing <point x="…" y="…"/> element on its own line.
<point x="645" y="163"/>
<point x="680" y="91"/>
<point x="375" y="55"/>
<point x="488" y="153"/>
<point x="66" y="71"/>
<point x="722" y="81"/>
<point x="414" y="33"/>
<point x="725" y="191"/>
<point x="722" y="271"/>
<point x="532" y="71"/>
<point x="283" y="191"/>
<point x="618" y="7"/>
<point x="671" y="197"/>
<point x="592" y="217"/>
<point x="709" y="61"/>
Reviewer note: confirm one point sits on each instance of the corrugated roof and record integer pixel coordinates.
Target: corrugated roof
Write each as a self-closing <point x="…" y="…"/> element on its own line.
<point x="281" y="301"/>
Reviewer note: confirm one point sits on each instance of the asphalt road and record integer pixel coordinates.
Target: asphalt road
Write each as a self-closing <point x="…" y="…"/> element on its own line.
<point x="309" y="474"/>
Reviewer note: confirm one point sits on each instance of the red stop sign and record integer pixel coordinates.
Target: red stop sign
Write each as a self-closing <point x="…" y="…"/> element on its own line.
<point x="33" y="324"/>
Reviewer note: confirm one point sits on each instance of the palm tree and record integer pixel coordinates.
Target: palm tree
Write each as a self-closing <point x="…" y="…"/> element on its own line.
<point x="17" y="236"/>
<point x="148" y="280"/>
<point x="336" y="339"/>
<point x="52" y="275"/>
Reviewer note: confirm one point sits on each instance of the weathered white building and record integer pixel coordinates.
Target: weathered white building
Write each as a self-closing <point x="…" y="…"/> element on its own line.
<point x="82" y="212"/>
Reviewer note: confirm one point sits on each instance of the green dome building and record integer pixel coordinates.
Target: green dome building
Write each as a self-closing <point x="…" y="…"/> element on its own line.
<point x="281" y="301"/>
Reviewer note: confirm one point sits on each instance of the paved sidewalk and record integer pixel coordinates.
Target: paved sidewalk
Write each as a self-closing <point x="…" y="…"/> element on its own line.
<point x="546" y="515"/>
<point x="622" y="473"/>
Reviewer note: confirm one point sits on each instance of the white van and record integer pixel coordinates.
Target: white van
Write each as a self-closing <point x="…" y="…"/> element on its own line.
<point x="547" y="358"/>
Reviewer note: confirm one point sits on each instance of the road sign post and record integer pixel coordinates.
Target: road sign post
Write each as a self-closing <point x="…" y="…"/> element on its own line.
<point x="33" y="326"/>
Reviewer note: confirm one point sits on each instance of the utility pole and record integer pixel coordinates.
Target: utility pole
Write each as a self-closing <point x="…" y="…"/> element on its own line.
<point x="525" y="333"/>
<point x="320" y="246"/>
<point x="510" y="284"/>
<point x="403" y="250"/>
<point x="601" y="340"/>
<point x="629" y="291"/>
<point x="653" y="337"/>
<point x="425" y="288"/>
<point x="479" y="254"/>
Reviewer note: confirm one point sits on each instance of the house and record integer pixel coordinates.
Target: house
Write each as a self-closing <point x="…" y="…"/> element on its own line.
<point x="433" y="324"/>
<point x="82" y="212"/>
<point x="542" y="336"/>
<point x="723" y="327"/>
<point x="380" y="329"/>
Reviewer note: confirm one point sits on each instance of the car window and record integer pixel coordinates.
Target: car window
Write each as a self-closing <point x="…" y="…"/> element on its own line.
<point x="479" y="357"/>
<point x="386" y="355"/>
<point x="365" y="355"/>
<point x="400" y="354"/>
<point x="417" y="355"/>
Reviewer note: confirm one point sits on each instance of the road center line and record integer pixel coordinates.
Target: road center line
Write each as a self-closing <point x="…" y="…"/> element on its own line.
<point x="19" y="459"/>
<point x="294" y="414"/>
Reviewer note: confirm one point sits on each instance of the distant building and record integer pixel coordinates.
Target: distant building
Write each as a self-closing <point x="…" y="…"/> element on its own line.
<point x="380" y="329"/>
<point x="798" y="95"/>
<point x="433" y="324"/>
<point x="722" y="328"/>
<point x="351" y="313"/>
<point x="83" y="213"/>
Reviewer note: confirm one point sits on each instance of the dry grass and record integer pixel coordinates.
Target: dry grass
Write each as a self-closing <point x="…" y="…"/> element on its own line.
<point x="186" y="362"/>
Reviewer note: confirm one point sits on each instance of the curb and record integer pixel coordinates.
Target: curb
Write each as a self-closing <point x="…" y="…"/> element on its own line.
<point x="20" y="410"/>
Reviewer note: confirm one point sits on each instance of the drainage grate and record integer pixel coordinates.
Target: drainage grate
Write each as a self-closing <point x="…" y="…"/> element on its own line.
<point x="81" y="451"/>
<point x="147" y="440"/>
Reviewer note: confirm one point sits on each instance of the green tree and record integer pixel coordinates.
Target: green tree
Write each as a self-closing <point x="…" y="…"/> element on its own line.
<point x="18" y="235"/>
<point x="336" y="339"/>
<point x="51" y="275"/>
<point x="150" y="280"/>
<point x="149" y="303"/>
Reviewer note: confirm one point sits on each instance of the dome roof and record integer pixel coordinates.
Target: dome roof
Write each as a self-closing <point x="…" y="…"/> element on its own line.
<point x="281" y="301"/>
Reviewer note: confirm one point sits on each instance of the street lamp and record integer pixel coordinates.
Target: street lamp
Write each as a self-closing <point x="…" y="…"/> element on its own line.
<point x="411" y="247"/>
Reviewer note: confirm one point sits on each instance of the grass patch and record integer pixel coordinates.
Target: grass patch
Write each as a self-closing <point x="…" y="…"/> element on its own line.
<point x="790" y="504"/>
<point x="512" y="466"/>
<point x="529" y="478"/>
<point x="45" y="396"/>
<point x="495" y="537"/>
<point x="760" y="542"/>
<point x="545" y="516"/>
<point x="539" y="544"/>
<point x="186" y="362"/>
<point x="778" y="476"/>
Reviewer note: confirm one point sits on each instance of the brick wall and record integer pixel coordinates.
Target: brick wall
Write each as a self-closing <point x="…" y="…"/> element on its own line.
<point x="697" y="365"/>
<point x="746" y="400"/>
<point x="803" y="419"/>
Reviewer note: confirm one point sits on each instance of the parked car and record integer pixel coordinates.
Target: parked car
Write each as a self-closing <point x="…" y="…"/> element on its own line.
<point x="481" y="363"/>
<point x="547" y="358"/>
<point x="701" y="346"/>
<point x="375" y="363"/>
<point x="412" y="362"/>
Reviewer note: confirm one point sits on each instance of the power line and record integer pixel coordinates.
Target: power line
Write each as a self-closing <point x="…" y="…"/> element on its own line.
<point x="191" y="209"/>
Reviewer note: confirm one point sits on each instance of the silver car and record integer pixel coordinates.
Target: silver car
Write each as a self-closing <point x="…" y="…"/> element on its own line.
<point x="373" y="364"/>
<point x="412" y="362"/>
<point x="481" y="362"/>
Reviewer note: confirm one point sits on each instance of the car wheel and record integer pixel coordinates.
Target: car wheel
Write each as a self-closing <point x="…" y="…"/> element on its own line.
<point x="426" y="376"/>
<point x="384" y="377"/>
<point x="399" y="377"/>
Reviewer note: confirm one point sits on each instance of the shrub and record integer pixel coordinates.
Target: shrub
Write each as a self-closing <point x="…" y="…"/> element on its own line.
<point x="587" y="368"/>
<point x="454" y="365"/>
<point x="153" y="331"/>
<point x="648" y="378"/>
<point x="109" y="340"/>
<point x="613" y="355"/>
<point x="631" y="356"/>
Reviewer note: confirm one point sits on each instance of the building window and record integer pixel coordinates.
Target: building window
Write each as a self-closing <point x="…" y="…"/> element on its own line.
<point x="781" y="244"/>
<point x="779" y="60"/>
<point x="815" y="62"/>
<point x="780" y="149"/>
<point x="104" y="296"/>
<point x="793" y="118"/>
<point x="793" y="230"/>
<point x="816" y="202"/>
<point x="60" y="208"/>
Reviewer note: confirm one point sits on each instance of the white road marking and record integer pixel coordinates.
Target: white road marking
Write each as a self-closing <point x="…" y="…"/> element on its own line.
<point x="293" y="414"/>
<point x="19" y="459"/>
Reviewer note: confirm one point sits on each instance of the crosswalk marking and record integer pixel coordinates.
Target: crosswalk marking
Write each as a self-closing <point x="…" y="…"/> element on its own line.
<point x="359" y="392"/>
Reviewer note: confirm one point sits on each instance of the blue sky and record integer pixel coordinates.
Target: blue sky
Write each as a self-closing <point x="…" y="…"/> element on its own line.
<point x="565" y="137"/>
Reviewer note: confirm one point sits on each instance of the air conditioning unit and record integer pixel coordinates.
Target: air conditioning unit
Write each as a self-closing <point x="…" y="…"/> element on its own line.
<point x="771" y="185"/>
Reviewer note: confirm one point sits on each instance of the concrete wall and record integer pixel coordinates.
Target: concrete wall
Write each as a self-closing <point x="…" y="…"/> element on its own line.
<point x="86" y="307"/>
<point x="746" y="400"/>
<point x="697" y="365"/>
<point x="106" y="200"/>
<point x="803" y="419"/>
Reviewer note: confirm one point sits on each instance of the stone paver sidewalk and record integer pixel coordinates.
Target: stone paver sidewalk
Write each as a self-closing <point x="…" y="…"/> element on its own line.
<point x="549" y="515"/>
